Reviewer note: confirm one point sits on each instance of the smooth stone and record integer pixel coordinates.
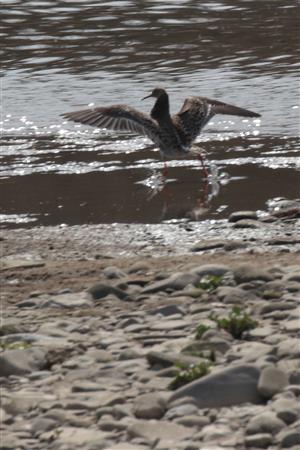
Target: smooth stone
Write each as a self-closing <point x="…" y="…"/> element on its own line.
<point x="176" y="282"/>
<point x="167" y="325"/>
<point x="63" y="416"/>
<point x="34" y="338"/>
<point x="292" y="326"/>
<point x="86" y="386"/>
<point x="271" y="381"/>
<point x="168" y="310"/>
<point x="233" y="295"/>
<point x="100" y="356"/>
<point x="215" y="431"/>
<point x="207" y="244"/>
<point x="266" y="422"/>
<point x="42" y="424"/>
<point x="9" y="441"/>
<point x="249" y="351"/>
<point x="275" y="306"/>
<point x="289" y="438"/>
<point x="101" y="290"/>
<point x="24" y="400"/>
<point x="260" y="440"/>
<point x="186" y="409"/>
<point x="234" y="245"/>
<point x="113" y="272"/>
<point x="19" y="263"/>
<point x="80" y="437"/>
<point x="112" y="425"/>
<point x="193" y="421"/>
<point x="73" y="300"/>
<point x="211" y="269"/>
<point x="230" y="386"/>
<point x="289" y="348"/>
<point x="149" y="406"/>
<point x="126" y="446"/>
<point x="287" y="409"/>
<point x="248" y="272"/>
<point x="152" y="430"/>
<point x="247" y="223"/>
<point x="21" y="362"/>
<point x="241" y="215"/>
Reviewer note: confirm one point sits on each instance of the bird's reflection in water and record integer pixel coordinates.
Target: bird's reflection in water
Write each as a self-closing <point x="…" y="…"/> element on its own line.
<point x="209" y="187"/>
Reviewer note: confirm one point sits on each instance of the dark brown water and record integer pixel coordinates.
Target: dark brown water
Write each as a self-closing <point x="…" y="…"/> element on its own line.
<point x="58" y="56"/>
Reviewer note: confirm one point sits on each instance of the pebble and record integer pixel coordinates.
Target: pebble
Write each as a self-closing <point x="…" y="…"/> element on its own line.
<point x="259" y="440"/>
<point x="230" y="386"/>
<point x="271" y="381"/>
<point x="20" y="362"/>
<point x="267" y="422"/>
<point x="149" y="406"/>
<point x="242" y="215"/>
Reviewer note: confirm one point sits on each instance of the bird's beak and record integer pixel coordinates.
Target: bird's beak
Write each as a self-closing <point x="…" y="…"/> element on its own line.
<point x="147" y="96"/>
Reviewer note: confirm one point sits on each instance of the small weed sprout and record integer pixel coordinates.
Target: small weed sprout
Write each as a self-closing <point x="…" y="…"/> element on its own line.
<point x="200" y="330"/>
<point x="209" y="282"/>
<point x="187" y="374"/>
<point x="236" y="323"/>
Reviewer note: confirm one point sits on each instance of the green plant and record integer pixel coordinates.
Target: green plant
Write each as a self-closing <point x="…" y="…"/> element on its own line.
<point x="236" y="323"/>
<point x="185" y="375"/>
<point x="200" y="330"/>
<point x="209" y="282"/>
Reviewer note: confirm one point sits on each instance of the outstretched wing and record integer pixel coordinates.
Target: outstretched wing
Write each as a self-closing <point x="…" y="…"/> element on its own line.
<point x="116" y="117"/>
<point x="197" y="111"/>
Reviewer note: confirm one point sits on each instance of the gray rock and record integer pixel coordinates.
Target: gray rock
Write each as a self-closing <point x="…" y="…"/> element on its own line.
<point x="289" y="348"/>
<point x="101" y="290"/>
<point x="149" y="406"/>
<point x="168" y="310"/>
<point x="266" y="422"/>
<point x="10" y="442"/>
<point x="42" y="424"/>
<point x="113" y="272"/>
<point x="211" y="269"/>
<point x="193" y="421"/>
<point x="241" y="215"/>
<point x="249" y="351"/>
<point x="207" y="244"/>
<point x="287" y="409"/>
<point x="186" y="409"/>
<point x="271" y="381"/>
<point x="20" y="362"/>
<point x="260" y="440"/>
<point x="247" y="223"/>
<point x="112" y="425"/>
<point x="249" y="272"/>
<point x="166" y="431"/>
<point x="177" y="281"/>
<point x="289" y="438"/>
<point x="73" y="300"/>
<point x="73" y="437"/>
<point x="230" y="386"/>
<point x="215" y="431"/>
<point x="233" y="295"/>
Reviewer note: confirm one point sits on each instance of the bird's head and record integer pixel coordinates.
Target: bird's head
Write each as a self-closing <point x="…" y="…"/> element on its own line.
<point x="156" y="93"/>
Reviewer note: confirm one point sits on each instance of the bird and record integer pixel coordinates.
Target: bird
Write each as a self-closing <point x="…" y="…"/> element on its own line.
<point x="172" y="134"/>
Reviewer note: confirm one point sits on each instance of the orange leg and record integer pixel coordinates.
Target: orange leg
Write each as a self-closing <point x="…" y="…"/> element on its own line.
<point x="204" y="169"/>
<point x="165" y="170"/>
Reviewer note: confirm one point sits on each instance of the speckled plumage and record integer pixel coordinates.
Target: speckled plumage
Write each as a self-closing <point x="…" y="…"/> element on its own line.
<point x="173" y="135"/>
